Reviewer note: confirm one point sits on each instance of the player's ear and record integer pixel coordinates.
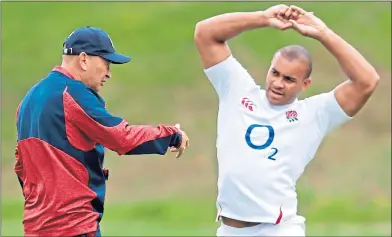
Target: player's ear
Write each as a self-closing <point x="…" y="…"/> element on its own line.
<point x="82" y="58"/>
<point x="306" y="83"/>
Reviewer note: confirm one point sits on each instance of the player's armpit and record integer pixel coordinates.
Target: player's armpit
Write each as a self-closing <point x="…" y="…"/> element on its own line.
<point x="326" y="111"/>
<point x="88" y="123"/>
<point x="353" y="96"/>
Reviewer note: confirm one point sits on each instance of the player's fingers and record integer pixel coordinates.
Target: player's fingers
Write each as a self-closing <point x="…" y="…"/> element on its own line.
<point x="177" y="125"/>
<point x="294" y="15"/>
<point x="286" y="26"/>
<point x="298" y="9"/>
<point x="295" y="24"/>
<point x="282" y="6"/>
<point x="283" y="10"/>
<point x="288" y="13"/>
<point x="281" y="18"/>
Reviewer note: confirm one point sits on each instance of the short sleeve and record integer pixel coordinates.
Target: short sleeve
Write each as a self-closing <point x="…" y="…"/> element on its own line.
<point x="329" y="113"/>
<point x="229" y="77"/>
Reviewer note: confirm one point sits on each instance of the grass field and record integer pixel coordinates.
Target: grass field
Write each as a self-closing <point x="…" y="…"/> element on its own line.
<point x="194" y="217"/>
<point x="346" y="190"/>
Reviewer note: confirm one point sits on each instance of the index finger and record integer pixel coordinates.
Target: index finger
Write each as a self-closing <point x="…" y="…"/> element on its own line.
<point x="179" y="153"/>
<point x="283" y="10"/>
<point x="298" y="9"/>
<point x="288" y="13"/>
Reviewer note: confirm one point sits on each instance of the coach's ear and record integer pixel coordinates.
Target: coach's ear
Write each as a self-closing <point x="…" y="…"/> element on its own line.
<point x="306" y="83"/>
<point x="82" y="58"/>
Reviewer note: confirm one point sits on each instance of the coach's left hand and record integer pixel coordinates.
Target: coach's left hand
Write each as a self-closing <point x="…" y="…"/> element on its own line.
<point x="306" y="23"/>
<point x="184" y="143"/>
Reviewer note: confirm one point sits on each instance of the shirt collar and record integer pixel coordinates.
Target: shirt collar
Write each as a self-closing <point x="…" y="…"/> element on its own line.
<point x="64" y="71"/>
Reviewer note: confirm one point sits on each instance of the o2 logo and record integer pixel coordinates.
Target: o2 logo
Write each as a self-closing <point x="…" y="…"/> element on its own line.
<point x="271" y="135"/>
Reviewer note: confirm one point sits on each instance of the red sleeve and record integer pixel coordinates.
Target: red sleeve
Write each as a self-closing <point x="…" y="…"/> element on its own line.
<point x="86" y="111"/>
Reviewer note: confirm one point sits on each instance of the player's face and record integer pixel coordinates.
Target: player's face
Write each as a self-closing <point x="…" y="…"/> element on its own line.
<point x="96" y="72"/>
<point x="285" y="80"/>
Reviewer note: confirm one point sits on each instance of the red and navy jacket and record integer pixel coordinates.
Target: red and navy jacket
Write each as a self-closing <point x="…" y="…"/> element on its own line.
<point x="63" y="129"/>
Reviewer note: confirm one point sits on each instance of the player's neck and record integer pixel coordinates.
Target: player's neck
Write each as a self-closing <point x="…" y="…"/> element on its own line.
<point x="283" y="106"/>
<point x="72" y="71"/>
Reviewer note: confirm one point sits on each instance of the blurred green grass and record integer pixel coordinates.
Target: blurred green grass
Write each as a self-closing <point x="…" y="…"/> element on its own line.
<point x="346" y="190"/>
<point x="195" y="217"/>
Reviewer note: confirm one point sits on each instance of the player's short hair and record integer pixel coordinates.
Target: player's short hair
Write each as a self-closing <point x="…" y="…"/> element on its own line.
<point x="297" y="52"/>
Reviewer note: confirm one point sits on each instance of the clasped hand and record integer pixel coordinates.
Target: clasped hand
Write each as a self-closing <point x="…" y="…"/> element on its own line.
<point x="306" y="23"/>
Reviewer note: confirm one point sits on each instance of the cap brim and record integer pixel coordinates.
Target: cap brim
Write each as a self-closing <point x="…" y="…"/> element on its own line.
<point x="117" y="58"/>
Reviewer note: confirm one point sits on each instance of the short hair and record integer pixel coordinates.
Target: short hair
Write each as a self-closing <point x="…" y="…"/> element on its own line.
<point x="297" y="52"/>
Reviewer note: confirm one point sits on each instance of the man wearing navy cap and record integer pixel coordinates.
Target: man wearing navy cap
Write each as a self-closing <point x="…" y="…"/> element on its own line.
<point x="63" y="128"/>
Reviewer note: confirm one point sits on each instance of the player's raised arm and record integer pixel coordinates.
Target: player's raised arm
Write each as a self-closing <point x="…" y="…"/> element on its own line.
<point x="352" y="94"/>
<point x="228" y="77"/>
<point x="211" y="34"/>
<point x="85" y="111"/>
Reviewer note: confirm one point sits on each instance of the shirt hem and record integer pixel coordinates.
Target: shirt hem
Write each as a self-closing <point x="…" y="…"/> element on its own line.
<point x="271" y="220"/>
<point x="74" y="232"/>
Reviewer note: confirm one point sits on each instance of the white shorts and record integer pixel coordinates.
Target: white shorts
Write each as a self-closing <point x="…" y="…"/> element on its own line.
<point x="292" y="227"/>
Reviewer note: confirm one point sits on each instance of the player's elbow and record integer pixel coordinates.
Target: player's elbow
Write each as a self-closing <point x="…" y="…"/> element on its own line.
<point x="205" y="36"/>
<point x="203" y="32"/>
<point x="375" y="80"/>
<point x="372" y="82"/>
<point x="200" y="32"/>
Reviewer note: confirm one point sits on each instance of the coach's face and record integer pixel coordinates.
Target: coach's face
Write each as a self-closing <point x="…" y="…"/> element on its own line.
<point x="285" y="80"/>
<point x="96" y="71"/>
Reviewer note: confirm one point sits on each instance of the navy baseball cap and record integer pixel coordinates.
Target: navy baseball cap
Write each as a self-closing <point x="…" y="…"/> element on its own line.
<point x="93" y="41"/>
